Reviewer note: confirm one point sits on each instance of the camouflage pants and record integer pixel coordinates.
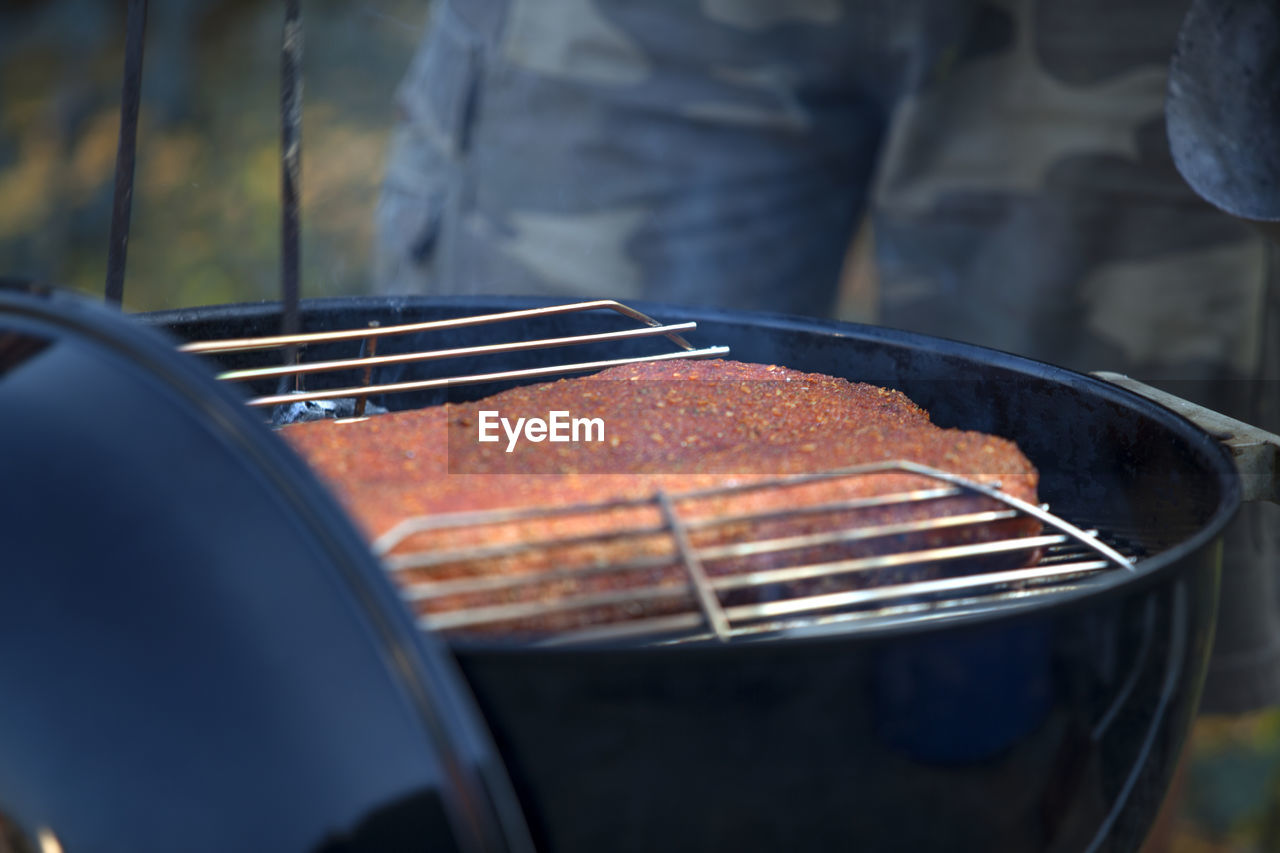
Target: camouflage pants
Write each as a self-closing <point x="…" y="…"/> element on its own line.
<point x="1010" y="154"/>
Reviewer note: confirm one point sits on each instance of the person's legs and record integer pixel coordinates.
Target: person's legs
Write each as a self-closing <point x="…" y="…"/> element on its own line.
<point x="1029" y="203"/>
<point x="713" y="152"/>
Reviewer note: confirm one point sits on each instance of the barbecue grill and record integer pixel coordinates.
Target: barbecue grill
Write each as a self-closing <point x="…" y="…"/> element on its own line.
<point x="1020" y="717"/>
<point x="202" y="652"/>
<point x="1070" y="554"/>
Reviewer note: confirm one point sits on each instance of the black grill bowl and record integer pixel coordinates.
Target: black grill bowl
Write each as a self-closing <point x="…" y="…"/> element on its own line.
<point x="198" y="652"/>
<point x="1052" y="725"/>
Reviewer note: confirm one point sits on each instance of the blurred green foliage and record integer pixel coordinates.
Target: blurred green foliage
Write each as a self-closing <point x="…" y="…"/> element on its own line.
<point x="206" y="206"/>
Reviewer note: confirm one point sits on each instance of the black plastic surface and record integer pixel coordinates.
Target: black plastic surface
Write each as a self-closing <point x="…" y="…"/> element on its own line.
<point x="197" y="651"/>
<point x="1223" y="107"/>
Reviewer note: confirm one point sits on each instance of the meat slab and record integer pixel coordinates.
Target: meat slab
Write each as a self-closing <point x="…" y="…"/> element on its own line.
<point x="676" y="427"/>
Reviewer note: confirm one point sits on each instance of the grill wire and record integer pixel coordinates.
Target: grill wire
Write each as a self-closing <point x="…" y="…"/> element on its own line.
<point x="901" y="579"/>
<point x="696" y="598"/>
<point x="362" y="365"/>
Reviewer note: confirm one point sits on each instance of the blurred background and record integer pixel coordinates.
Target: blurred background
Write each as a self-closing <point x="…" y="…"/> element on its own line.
<point x="206" y="217"/>
<point x="206" y="205"/>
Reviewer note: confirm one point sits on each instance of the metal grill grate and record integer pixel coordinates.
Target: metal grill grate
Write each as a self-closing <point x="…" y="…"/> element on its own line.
<point x="362" y="366"/>
<point x="659" y="570"/>
<point x="670" y="575"/>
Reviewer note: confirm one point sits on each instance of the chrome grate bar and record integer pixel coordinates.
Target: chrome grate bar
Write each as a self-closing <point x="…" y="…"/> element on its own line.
<point x="703" y="591"/>
<point x="908" y="590"/>
<point x="703" y="580"/>
<point x="368" y="359"/>
<point x="887" y="561"/>
<point x="457" y="352"/>
<point x="476" y="518"/>
<point x="428" y="559"/>
<point x="509" y="612"/>
<point x="896" y="603"/>
<point x="478" y="378"/>
<point x="427" y="590"/>
<point x="872" y="531"/>
<point x="278" y="341"/>
<point x="503" y="613"/>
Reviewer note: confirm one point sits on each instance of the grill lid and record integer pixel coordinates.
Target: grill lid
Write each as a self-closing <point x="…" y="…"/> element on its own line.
<point x="199" y="650"/>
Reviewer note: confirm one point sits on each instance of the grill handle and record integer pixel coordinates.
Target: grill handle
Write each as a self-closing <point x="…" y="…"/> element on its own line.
<point x="1256" y="452"/>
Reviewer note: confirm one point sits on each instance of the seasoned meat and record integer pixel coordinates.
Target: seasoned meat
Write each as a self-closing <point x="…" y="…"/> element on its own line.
<point x="678" y="427"/>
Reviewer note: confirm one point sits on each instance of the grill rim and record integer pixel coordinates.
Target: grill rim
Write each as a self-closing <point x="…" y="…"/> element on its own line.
<point x="1212" y="456"/>
<point x="523" y="692"/>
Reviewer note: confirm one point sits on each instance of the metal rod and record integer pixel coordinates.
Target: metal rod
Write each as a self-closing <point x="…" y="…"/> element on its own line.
<point x="126" y="150"/>
<point x="457" y="352"/>
<point x="437" y="557"/>
<point x="874" y="594"/>
<point x="448" y="619"/>
<point x="1086" y="539"/>
<point x="371" y="346"/>
<point x="402" y="530"/>
<point x="916" y="496"/>
<point x="480" y="378"/>
<point x="426" y="590"/>
<point x="290" y="172"/>
<point x="274" y="341"/>
<point x="883" y="561"/>
<point x="423" y="590"/>
<point x="854" y="534"/>
<point x="702" y="590"/>
<point x="432" y="558"/>
<point x="681" y="628"/>
<point x="1030" y="509"/>
<point x="705" y="586"/>
<point x="1070" y="556"/>
<point x="476" y="518"/>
